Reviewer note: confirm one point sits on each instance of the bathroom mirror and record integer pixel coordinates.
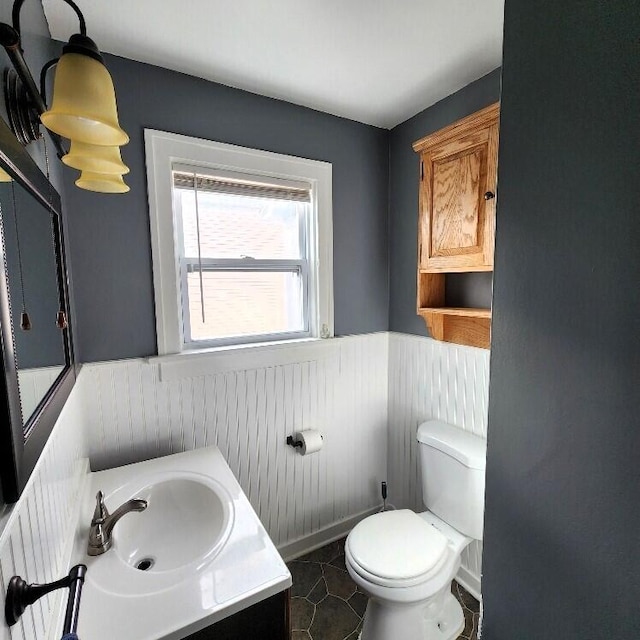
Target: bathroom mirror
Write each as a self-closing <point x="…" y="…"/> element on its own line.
<point x="31" y="271"/>
<point x="39" y="371"/>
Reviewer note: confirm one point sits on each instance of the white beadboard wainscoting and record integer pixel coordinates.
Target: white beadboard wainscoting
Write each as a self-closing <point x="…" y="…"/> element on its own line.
<point x="432" y="379"/>
<point x="129" y="413"/>
<point x="365" y="394"/>
<point x="247" y="403"/>
<point x="37" y="531"/>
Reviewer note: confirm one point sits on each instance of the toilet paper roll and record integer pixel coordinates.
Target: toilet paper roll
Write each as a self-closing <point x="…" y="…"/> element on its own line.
<point x="311" y="441"/>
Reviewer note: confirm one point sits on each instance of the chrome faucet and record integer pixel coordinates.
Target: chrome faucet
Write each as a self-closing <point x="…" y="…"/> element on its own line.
<point x="103" y="522"/>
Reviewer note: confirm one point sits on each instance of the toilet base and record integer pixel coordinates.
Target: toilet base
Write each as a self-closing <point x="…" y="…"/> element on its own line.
<point x="438" y="618"/>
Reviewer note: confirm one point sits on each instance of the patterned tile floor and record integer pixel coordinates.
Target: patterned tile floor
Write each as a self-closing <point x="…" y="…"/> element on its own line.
<point x="327" y="605"/>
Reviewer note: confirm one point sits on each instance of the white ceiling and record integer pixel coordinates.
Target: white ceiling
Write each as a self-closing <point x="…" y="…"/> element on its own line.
<point x="374" y="61"/>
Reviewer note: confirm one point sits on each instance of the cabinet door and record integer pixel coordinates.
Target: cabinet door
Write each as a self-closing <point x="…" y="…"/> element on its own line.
<point x="457" y="202"/>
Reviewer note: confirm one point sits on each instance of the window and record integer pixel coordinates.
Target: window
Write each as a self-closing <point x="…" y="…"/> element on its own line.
<point x="241" y="241"/>
<point x="244" y="257"/>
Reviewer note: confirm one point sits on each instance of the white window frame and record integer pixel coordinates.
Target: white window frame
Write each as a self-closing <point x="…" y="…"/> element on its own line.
<point x="164" y="151"/>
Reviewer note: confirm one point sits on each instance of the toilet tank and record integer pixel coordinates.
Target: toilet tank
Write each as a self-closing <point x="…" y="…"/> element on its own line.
<point x="453" y="466"/>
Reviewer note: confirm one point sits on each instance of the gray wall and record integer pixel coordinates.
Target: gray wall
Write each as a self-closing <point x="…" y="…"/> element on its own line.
<point x="109" y="247"/>
<point x="562" y="520"/>
<point x="472" y="290"/>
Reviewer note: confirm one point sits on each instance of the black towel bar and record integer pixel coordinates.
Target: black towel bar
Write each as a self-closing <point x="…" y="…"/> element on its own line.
<point x="20" y="595"/>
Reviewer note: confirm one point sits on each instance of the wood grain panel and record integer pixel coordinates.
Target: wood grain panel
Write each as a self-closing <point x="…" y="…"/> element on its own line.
<point x="435" y="324"/>
<point x="471" y="331"/>
<point x="456" y="205"/>
<point x="453" y="210"/>
<point x="430" y="290"/>
<point x="491" y="182"/>
<point x="456" y="224"/>
<point x="460" y="311"/>
<point x="470" y="327"/>
<point x="459" y="128"/>
<point x="456" y="219"/>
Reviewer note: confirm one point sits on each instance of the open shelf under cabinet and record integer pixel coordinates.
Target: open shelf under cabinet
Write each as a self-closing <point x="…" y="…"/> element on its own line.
<point x="470" y="327"/>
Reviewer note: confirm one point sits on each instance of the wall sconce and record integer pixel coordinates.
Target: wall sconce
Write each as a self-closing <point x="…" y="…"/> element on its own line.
<point x="83" y="108"/>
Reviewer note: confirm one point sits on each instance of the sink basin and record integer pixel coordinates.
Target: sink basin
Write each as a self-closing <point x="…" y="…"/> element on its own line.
<point x="183" y="524"/>
<point x="187" y="522"/>
<point x="197" y="554"/>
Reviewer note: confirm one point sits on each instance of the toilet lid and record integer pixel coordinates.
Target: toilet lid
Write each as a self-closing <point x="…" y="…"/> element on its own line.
<point x="396" y="545"/>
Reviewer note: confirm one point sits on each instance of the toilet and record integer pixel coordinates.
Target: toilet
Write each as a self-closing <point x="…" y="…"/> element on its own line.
<point x="405" y="561"/>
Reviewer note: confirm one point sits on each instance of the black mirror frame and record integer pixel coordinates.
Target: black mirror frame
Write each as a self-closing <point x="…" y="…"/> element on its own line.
<point x="21" y="443"/>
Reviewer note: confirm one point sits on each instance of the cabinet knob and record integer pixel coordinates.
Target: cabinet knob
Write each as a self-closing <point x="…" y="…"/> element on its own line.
<point x="489" y="195"/>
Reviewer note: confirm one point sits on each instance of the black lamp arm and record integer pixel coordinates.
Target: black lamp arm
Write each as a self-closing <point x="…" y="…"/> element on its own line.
<point x="10" y="40"/>
<point x="17" y="6"/>
<point x="43" y="76"/>
<point x="20" y="595"/>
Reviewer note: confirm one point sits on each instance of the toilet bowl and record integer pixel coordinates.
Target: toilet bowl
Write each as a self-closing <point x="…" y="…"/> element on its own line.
<point x="405" y="561"/>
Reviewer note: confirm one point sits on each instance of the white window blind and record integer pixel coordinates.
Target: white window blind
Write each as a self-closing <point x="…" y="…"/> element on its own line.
<point x="192" y="180"/>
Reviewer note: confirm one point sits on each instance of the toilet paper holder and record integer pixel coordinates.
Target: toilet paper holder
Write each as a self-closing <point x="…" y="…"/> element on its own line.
<point x="294" y="443"/>
<point x="306" y="441"/>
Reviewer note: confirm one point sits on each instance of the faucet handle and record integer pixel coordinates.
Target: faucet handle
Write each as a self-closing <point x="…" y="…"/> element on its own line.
<point x="101" y="512"/>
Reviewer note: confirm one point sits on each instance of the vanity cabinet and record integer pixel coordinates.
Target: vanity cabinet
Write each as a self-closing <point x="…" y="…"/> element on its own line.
<point x="456" y="221"/>
<point x="267" y="620"/>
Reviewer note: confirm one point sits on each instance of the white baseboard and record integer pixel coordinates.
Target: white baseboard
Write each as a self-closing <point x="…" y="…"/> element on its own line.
<point x="470" y="582"/>
<point x="307" y="544"/>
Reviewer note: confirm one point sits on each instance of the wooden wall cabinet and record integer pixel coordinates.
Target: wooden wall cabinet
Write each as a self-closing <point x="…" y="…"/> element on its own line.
<point x="456" y="222"/>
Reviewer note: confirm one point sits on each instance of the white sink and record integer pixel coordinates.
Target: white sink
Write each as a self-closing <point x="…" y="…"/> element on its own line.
<point x="186" y="523"/>
<point x="183" y="508"/>
<point x="196" y="554"/>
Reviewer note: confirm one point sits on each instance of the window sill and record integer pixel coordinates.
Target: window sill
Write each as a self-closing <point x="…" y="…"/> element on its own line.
<point x="203" y="362"/>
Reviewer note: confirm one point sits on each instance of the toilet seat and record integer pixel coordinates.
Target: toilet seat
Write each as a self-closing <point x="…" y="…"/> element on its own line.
<point x="405" y="585"/>
<point x="396" y="549"/>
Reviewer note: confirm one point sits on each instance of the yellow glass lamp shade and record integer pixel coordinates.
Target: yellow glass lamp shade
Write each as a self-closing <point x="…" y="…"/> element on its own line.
<point x="4" y="176"/>
<point x="102" y="182"/>
<point x="94" y="159"/>
<point x="84" y="100"/>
